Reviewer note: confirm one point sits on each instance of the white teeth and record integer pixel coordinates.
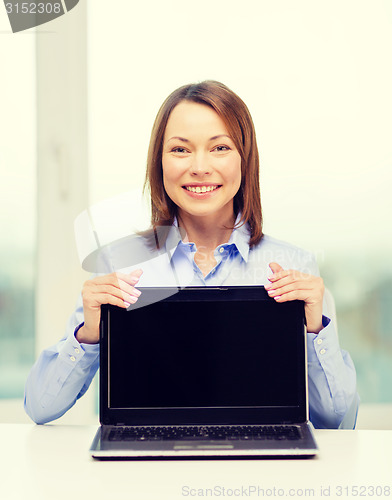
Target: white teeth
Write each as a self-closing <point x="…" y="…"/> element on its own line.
<point x="202" y="189"/>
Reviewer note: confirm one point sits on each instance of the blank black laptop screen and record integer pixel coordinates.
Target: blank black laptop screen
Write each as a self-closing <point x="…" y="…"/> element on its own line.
<point x="232" y="350"/>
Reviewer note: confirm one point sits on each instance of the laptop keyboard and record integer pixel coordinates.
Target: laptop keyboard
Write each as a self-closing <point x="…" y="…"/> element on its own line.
<point x="226" y="432"/>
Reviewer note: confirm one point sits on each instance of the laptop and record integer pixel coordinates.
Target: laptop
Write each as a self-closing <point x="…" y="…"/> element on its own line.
<point x="203" y="372"/>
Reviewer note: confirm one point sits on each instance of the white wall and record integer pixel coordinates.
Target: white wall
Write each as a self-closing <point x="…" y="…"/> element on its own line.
<point x="316" y="76"/>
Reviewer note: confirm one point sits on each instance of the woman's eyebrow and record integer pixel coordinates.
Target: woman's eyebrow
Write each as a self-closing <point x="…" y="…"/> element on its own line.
<point x="210" y="139"/>
<point x="218" y="136"/>
<point x="179" y="138"/>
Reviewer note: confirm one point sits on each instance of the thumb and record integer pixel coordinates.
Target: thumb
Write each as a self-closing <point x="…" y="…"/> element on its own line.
<point x="275" y="267"/>
<point x="136" y="274"/>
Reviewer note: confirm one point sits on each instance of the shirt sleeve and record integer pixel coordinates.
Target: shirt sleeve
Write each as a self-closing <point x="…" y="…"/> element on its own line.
<point x="61" y="375"/>
<point x="333" y="398"/>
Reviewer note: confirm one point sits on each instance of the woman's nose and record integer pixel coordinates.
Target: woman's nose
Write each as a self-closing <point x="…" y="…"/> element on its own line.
<point x="200" y="165"/>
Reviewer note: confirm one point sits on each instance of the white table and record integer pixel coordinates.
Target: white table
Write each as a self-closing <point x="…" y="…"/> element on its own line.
<point x="52" y="462"/>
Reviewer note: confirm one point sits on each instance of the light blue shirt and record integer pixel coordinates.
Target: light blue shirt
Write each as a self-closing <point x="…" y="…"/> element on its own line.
<point x="63" y="372"/>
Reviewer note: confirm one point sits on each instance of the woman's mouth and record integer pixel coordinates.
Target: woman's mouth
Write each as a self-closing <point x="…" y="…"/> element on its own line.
<point x="201" y="189"/>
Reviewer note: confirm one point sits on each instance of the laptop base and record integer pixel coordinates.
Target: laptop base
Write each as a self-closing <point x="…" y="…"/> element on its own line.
<point x="183" y="449"/>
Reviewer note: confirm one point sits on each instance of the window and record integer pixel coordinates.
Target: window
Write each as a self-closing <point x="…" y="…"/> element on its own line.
<point x="17" y="211"/>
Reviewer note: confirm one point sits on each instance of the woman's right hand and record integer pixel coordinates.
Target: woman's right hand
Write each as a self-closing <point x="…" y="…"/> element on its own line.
<point x="117" y="289"/>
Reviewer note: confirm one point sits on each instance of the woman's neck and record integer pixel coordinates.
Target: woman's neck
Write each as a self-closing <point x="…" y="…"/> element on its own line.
<point x="207" y="232"/>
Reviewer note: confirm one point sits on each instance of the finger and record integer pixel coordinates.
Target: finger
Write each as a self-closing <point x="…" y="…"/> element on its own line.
<point x="111" y="284"/>
<point x="113" y="278"/>
<point x="275" y="267"/>
<point x="277" y="282"/>
<point x="137" y="272"/>
<point x="115" y="291"/>
<point x="298" y="278"/>
<point x="294" y="274"/>
<point x="130" y="289"/>
<point x="135" y="275"/>
<point x="294" y="295"/>
<point x="131" y="278"/>
<point x="105" y="298"/>
<point x="303" y="288"/>
<point x="279" y="275"/>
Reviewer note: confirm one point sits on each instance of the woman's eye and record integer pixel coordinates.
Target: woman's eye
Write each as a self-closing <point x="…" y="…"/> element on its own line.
<point x="179" y="150"/>
<point x="222" y="148"/>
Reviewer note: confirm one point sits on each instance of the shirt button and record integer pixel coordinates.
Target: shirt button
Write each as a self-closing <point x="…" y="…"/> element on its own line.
<point x="319" y="341"/>
<point x="323" y="351"/>
<point x="221" y="250"/>
<point x="213" y="271"/>
<point x="77" y="350"/>
<point x="72" y="358"/>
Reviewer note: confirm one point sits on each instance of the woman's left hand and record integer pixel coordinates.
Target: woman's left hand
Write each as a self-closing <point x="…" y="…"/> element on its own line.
<point x="294" y="285"/>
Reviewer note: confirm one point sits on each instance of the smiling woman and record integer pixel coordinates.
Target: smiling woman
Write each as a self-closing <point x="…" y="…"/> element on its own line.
<point x="202" y="172"/>
<point x="208" y="129"/>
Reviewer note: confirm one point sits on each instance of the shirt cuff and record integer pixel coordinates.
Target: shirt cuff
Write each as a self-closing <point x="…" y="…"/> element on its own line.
<point x="90" y="348"/>
<point x="72" y="358"/>
<point x="72" y="352"/>
<point x="323" y="345"/>
<point x="325" y="322"/>
<point x="78" y="328"/>
<point x="324" y="350"/>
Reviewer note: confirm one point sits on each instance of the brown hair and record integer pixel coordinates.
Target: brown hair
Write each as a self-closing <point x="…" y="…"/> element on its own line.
<point x="236" y="117"/>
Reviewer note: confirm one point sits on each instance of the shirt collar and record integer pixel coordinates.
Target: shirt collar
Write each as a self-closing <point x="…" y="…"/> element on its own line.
<point x="173" y="238"/>
<point x="239" y="237"/>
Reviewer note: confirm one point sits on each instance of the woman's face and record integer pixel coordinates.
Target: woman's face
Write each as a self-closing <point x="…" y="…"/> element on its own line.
<point x="201" y="165"/>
